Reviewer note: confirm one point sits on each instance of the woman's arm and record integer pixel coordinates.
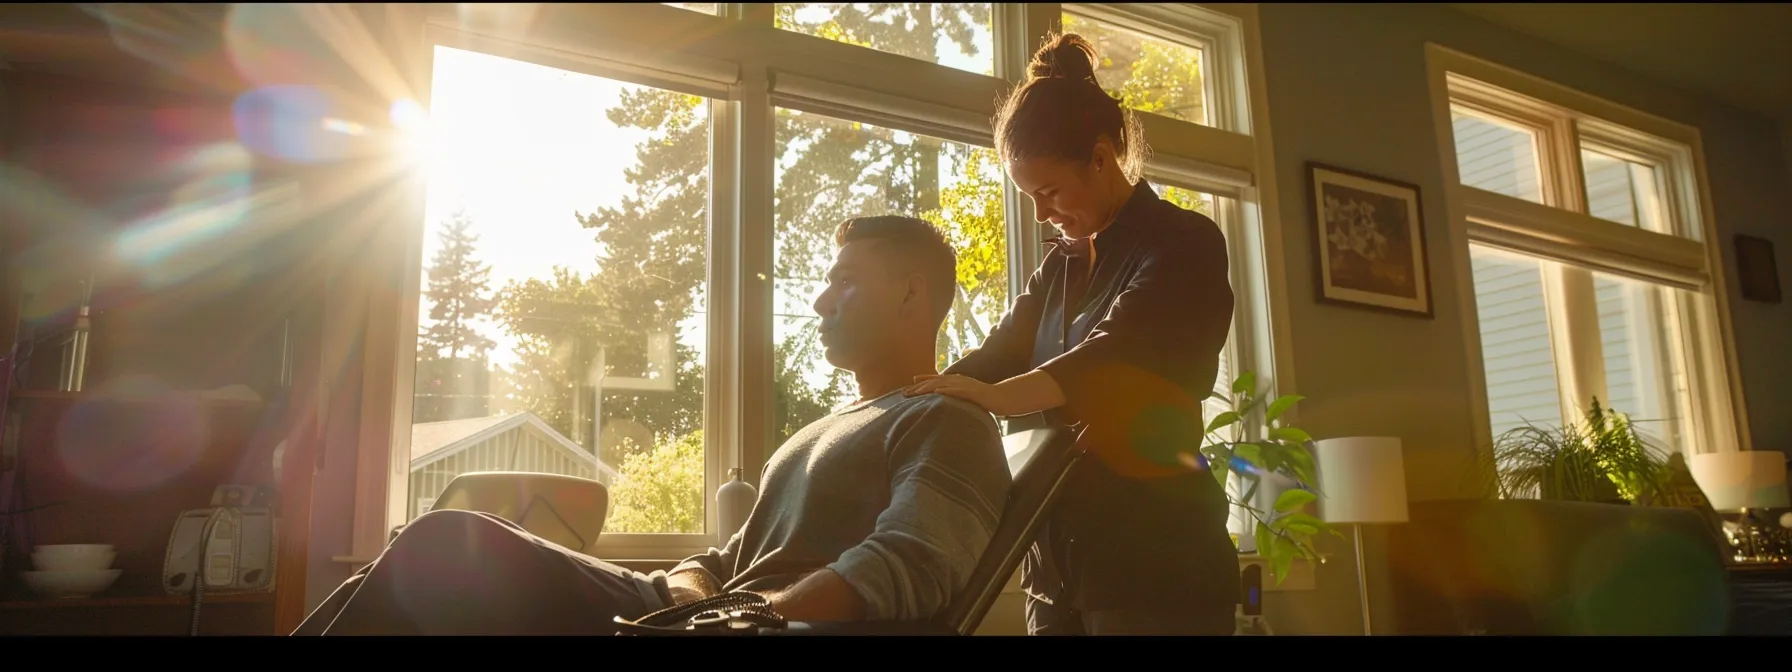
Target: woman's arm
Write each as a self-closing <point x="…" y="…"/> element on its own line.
<point x="1169" y="325"/>
<point x="1009" y="347"/>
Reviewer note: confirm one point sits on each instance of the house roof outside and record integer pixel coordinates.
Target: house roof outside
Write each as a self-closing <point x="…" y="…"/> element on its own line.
<point x="432" y="442"/>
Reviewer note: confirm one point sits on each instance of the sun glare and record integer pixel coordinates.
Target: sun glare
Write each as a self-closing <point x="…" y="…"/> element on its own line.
<point x="417" y="140"/>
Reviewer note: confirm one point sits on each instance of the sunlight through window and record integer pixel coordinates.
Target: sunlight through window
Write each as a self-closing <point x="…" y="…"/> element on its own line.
<point x="564" y="257"/>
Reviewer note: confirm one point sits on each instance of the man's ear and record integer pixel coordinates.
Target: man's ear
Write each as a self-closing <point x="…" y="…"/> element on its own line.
<point x="914" y="295"/>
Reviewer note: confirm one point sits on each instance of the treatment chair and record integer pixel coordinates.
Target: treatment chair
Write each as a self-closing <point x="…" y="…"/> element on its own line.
<point x="566" y="510"/>
<point x="1042" y="460"/>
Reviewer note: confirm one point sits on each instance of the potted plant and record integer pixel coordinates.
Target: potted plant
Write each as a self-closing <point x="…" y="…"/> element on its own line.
<point x="1599" y="459"/>
<point x="1286" y="528"/>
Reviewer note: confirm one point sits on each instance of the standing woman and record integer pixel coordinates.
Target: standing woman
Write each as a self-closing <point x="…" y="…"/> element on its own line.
<point x="1119" y="330"/>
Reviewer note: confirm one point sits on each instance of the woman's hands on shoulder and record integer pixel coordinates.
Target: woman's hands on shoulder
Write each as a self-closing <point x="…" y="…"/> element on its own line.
<point x="960" y="387"/>
<point x="1031" y="392"/>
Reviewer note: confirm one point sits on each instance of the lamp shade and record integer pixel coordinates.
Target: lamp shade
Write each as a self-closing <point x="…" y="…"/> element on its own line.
<point x="1745" y="479"/>
<point x="1362" y="479"/>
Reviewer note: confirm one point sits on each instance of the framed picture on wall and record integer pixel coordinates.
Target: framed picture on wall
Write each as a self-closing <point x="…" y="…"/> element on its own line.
<point x="1369" y="241"/>
<point x="1760" y="275"/>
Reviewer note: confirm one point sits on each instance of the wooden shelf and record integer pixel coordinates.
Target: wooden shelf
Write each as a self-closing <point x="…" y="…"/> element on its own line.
<point x="224" y="404"/>
<point x="138" y="601"/>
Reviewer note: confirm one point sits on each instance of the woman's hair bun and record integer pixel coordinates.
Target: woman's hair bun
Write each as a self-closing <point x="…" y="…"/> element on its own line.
<point x="1069" y="56"/>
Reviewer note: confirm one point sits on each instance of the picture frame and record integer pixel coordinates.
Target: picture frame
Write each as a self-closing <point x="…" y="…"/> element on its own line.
<point x="1368" y="241"/>
<point x="1757" y="270"/>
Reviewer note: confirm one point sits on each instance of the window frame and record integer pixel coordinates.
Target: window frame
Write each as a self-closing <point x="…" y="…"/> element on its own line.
<point x="747" y="67"/>
<point x="1572" y="245"/>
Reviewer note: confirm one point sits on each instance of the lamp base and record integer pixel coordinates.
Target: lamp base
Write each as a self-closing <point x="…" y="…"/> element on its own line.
<point x="1362" y="579"/>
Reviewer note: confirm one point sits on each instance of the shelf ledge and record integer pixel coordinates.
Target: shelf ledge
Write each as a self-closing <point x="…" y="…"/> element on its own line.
<point x="133" y="601"/>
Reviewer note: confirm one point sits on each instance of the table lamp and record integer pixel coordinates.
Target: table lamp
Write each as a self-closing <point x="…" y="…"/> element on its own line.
<point x="1743" y="480"/>
<point x="1362" y="480"/>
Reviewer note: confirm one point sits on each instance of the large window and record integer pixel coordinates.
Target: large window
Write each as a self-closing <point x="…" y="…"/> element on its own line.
<point x="630" y="208"/>
<point x="953" y="34"/>
<point x="561" y="323"/>
<point x="1161" y="76"/>
<point x="1591" y="281"/>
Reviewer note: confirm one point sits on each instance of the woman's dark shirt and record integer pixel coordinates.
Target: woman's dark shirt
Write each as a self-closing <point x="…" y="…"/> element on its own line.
<point x="1156" y="308"/>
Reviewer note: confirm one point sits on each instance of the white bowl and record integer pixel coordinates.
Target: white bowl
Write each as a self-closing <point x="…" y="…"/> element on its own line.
<point x="73" y="557"/>
<point x="70" y="584"/>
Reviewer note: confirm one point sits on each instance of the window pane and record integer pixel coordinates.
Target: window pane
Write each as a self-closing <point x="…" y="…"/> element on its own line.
<point x="1150" y="75"/>
<point x="1623" y="191"/>
<point x="1642" y="379"/>
<point x="955" y="34"/>
<point x="829" y="171"/>
<point x="705" y="7"/>
<point x="561" y="324"/>
<point x="1497" y="157"/>
<point x="1515" y="345"/>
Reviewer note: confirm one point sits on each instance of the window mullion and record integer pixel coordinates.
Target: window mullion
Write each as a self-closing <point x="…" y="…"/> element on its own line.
<point x="723" y="447"/>
<point x="756" y="184"/>
<point x="1573" y="307"/>
<point x="1019" y="29"/>
<point x="760" y="13"/>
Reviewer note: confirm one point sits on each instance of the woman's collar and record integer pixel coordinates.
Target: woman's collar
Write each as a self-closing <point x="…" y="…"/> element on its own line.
<point x="1122" y="227"/>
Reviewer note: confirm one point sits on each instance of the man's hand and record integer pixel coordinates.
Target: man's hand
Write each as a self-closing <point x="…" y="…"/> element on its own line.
<point x="692" y="584"/>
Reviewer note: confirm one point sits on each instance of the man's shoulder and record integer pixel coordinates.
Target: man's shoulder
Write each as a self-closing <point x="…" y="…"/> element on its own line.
<point x="949" y="430"/>
<point x="939" y="407"/>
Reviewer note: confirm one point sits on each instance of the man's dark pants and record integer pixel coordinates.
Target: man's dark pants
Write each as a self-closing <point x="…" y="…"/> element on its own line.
<point x="455" y="572"/>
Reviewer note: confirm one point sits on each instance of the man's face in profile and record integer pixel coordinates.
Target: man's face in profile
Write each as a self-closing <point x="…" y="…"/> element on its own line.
<point x="861" y="307"/>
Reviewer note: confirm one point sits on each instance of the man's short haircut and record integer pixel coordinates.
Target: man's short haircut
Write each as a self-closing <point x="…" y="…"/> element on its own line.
<point x="914" y="246"/>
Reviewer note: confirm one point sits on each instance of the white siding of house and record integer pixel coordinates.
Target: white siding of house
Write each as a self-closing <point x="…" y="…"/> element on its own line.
<point x="1515" y="347"/>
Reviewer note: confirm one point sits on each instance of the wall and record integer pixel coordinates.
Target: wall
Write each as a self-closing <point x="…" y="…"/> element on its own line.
<point x="1347" y="86"/>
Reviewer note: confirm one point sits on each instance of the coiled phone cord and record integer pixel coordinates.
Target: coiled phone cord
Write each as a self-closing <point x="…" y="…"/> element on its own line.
<point x="205" y="548"/>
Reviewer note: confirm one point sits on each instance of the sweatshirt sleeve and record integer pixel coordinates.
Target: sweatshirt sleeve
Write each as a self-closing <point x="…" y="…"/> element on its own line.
<point x="948" y="481"/>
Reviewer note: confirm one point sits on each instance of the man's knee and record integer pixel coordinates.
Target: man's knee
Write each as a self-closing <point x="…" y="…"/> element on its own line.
<point x="452" y="528"/>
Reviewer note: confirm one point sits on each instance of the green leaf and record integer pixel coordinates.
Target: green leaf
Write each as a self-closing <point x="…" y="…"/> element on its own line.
<point x="1249" y="452"/>
<point x="1301" y="460"/>
<point x="1304" y="524"/>
<point x="1281" y="557"/>
<point x="1220" y="470"/>
<point x="1291" y="434"/>
<point x="1290" y="500"/>
<point x="1307" y="519"/>
<point x="1280" y="406"/>
<point x="1245" y="383"/>
<point x="1302" y="530"/>
<point x="1222" y="420"/>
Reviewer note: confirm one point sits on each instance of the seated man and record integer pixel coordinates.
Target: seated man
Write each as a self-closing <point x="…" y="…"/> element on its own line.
<point x="876" y="512"/>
